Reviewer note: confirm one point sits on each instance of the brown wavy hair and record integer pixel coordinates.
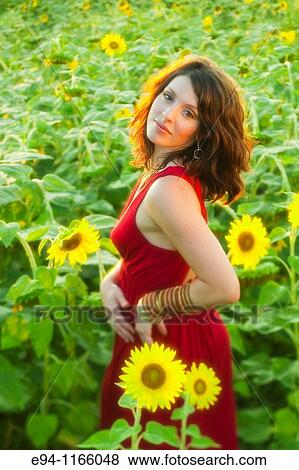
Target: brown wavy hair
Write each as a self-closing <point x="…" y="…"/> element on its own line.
<point x="222" y="135"/>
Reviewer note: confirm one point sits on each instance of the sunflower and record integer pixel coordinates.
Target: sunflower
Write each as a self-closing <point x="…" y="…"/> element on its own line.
<point x="293" y="210"/>
<point x="125" y="7"/>
<point x="73" y="64"/>
<point x="75" y="243"/>
<point x="123" y="113"/>
<point x="113" y="44"/>
<point x="202" y="386"/>
<point x="283" y="6"/>
<point x="247" y="241"/>
<point x="207" y="22"/>
<point x="86" y="6"/>
<point x="44" y="18"/>
<point x="152" y="377"/>
<point x="287" y="36"/>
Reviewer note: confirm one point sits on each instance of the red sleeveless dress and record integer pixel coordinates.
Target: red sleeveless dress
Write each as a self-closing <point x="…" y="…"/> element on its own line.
<point x="202" y="338"/>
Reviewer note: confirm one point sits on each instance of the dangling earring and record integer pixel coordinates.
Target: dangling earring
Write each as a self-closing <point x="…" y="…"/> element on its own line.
<point x="198" y="152"/>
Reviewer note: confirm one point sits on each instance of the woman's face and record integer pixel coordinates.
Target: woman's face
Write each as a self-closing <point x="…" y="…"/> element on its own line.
<point x="176" y="109"/>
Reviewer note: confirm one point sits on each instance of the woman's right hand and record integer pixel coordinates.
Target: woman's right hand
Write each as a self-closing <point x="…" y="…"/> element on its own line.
<point x="113" y="299"/>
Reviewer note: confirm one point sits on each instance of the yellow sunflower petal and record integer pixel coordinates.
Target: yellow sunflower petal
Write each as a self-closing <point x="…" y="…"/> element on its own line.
<point x="152" y="377"/>
<point x="247" y="241"/>
<point x="293" y="211"/>
<point x="201" y="386"/>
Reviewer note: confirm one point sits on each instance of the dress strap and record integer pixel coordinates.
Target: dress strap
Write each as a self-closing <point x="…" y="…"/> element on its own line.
<point x="175" y="170"/>
<point x="181" y="172"/>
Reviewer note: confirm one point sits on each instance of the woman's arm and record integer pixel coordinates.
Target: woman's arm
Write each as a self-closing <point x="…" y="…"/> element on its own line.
<point x="173" y="205"/>
<point x="113" y="273"/>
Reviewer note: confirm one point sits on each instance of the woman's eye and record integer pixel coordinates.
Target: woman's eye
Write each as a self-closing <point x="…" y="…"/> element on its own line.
<point x="166" y="94"/>
<point x="190" y="114"/>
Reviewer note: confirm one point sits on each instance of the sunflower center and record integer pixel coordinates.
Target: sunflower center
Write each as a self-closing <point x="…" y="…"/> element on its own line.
<point x="200" y="387"/>
<point x="246" y="241"/>
<point x="113" y="45"/>
<point x="153" y="376"/>
<point x="72" y="243"/>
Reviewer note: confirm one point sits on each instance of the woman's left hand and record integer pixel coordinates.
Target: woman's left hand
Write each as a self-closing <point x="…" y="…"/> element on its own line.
<point x="143" y="324"/>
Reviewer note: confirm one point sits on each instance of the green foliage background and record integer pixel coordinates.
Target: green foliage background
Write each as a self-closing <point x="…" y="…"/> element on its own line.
<point x="64" y="154"/>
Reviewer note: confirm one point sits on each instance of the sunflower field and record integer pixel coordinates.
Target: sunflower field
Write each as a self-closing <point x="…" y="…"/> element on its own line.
<point x="71" y="72"/>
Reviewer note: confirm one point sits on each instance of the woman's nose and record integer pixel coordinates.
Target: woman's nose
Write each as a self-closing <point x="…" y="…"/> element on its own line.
<point x="169" y="114"/>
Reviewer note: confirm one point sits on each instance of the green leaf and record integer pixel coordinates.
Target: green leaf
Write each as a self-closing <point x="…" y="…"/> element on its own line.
<point x="287" y="422"/>
<point x="14" y="394"/>
<point x="24" y="288"/>
<point x="110" y="438"/>
<point x="242" y="388"/>
<point x="40" y="428"/>
<point x="9" y="194"/>
<point x="272" y="292"/>
<point x="8" y="232"/>
<point x="250" y="208"/>
<point x="46" y="276"/>
<point x="62" y="374"/>
<point x="261" y="270"/>
<point x="83" y="418"/>
<point x="278" y="233"/>
<point x="41" y="333"/>
<point x="185" y="410"/>
<point x="293" y="400"/>
<point x="14" y="332"/>
<point x="294" y="262"/>
<point x="54" y="183"/>
<point x="34" y="233"/>
<point x="285" y="371"/>
<point x="101" y="221"/>
<point x="19" y="156"/>
<point x="107" y="244"/>
<point x="100" y="440"/>
<point x="19" y="172"/>
<point x="199" y="441"/>
<point x="75" y="285"/>
<point x="121" y="430"/>
<point x="255" y="425"/>
<point x="237" y="341"/>
<point x="126" y="401"/>
<point x="257" y="367"/>
<point x="52" y="297"/>
<point x="157" y="433"/>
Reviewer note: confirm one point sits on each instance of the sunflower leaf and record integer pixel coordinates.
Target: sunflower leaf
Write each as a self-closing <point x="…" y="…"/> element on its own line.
<point x="157" y="433"/>
<point x="126" y="401"/>
<point x="179" y="413"/>
<point x="110" y="438"/>
<point x="8" y="232"/>
<point x="199" y="441"/>
<point x="278" y="233"/>
<point x="272" y="292"/>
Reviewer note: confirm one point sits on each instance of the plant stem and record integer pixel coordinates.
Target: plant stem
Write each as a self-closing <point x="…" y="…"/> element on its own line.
<point x="291" y="81"/>
<point x="184" y="425"/>
<point x="102" y="271"/>
<point x="134" y="437"/>
<point x="28" y="252"/>
<point x="282" y="262"/>
<point x="44" y="404"/>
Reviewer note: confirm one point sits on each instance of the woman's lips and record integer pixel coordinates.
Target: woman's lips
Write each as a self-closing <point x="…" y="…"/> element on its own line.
<point x="162" y="129"/>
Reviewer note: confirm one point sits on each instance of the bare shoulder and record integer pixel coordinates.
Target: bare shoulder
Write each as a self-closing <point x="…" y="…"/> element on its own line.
<point x="174" y="206"/>
<point x="170" y="193"/>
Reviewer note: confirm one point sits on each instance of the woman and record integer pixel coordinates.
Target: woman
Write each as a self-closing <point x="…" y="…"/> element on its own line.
<point x="188" y="133"/>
